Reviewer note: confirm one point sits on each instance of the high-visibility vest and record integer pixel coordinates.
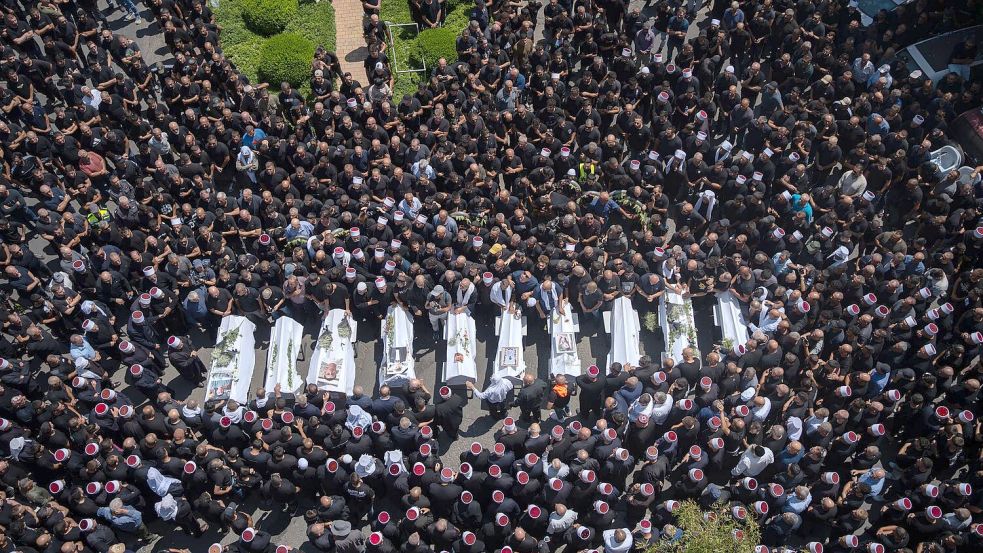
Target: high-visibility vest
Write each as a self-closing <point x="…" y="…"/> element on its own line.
<point x="585" y="170"/>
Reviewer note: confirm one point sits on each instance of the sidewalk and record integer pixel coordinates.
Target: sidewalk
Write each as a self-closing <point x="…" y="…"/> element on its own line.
<point x="351" y="48"/>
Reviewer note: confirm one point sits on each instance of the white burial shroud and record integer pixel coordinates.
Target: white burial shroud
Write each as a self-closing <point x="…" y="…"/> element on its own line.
<point x="232" y="360"/>
<point x="397" y="347"/>
<point x="729" y="318"/>
<point x="511" y="329"/>
<point x="281" y="359"/>
<point x="678" y="325"/>
<point x="564" y="362"/>
<point x="332" y="366"/>
<point x="622" y="323"/>
<point x="459" y="366"/>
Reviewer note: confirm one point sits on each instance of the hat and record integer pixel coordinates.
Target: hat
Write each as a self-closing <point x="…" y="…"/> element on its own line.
<point x="466" y="497"/>
<point x="966" y="416"/>
<point x="716" y="443"/>
<point x="556" y="484"/>
<point x="126" y="347"/>
<point x="964" y="489"/>
<point x="87" y="524"/>
<point x="877" y="429"/>
<point x="814" y="547"/>
<point x="534" y="511"/>
<point x="931" y="490"/>
<point x="652" y="453"/>
<point x="739" y="512"/>
<point x="498" y="496"/>
<point x="375" y="538"/>
<point x="904" y="504"/>
<point x="882" y="311"/>
<point x="190" y="467"/>
<point x="933" y="512"/>
<point x="696" y="475"/>
<point x="132" y="461"/>
<point x="137" y="316"/>
<point x="875" y="547"/>
<point x="850" y="540"/>
<point x="749" y="483"/>
<point x="671" y="505"/>
<point x="601" y="507"/>
<point x="761" y="507"/>
<point x="831" y="477"/>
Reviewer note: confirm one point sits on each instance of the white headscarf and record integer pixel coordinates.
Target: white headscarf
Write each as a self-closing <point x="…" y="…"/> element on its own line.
<point x="246" y="155"/>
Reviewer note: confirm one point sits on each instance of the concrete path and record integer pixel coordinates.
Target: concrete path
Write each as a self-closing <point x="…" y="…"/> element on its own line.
<point x="350" y="47"/>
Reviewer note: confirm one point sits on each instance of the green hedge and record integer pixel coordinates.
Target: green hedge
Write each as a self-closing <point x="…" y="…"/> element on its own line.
<point x="241" y="45"/>
<point x="411" y="50"/>
<point x="268" y="17"/>
<point x="286" y="57"/>
<point x="434" y="44"/>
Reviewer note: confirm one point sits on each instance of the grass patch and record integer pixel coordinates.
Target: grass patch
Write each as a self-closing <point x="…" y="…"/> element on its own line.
<point x="313" y="21"/>
<point x="410" y="49"/>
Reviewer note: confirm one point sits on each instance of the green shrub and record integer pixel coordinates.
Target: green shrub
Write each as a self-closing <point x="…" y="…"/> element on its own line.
<point x="316" y="21"/>
<point x="286" y="57"/>
<point x="434" y="44"/>
<point x="712" y="531"/>
<point x="268" y="17"/>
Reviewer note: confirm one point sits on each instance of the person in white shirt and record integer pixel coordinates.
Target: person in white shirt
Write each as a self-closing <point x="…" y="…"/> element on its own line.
<point x="560" y="520"/>
<point x="661" y="407"/>
<point x="753" y="461"/>
<point x="617" y="540"/>
<point x="502" y="294"/>
<point x="760" y="408"/>
<point x="496" y="394"/>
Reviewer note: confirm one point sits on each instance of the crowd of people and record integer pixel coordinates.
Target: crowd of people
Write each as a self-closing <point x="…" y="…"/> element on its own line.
<point x="572" y="154"/>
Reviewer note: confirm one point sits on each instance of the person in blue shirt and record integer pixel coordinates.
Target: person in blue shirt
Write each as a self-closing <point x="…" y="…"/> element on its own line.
<point x="803" y="203"/>
<point x="124" y="518"/>
<point x="603" y="205"/>
<point x="252" y="136"/>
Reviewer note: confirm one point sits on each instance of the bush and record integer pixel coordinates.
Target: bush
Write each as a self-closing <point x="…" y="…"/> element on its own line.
<point x="268" y="17"/>
<point x="286" y="57"/>
<point x="713" y="531"/>
<point x="434" y="44"/>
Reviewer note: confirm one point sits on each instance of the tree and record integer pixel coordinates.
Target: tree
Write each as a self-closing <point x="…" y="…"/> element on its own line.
<point x="713" y="531"/>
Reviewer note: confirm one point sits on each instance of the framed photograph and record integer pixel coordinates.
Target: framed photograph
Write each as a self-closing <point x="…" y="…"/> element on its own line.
<point x="565" y="343"/>
<point x="328" y="372"/>
<point x="510" y="357"/>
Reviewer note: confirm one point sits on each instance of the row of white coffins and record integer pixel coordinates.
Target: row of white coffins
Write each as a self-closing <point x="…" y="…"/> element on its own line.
<point x="332" y="361"/>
